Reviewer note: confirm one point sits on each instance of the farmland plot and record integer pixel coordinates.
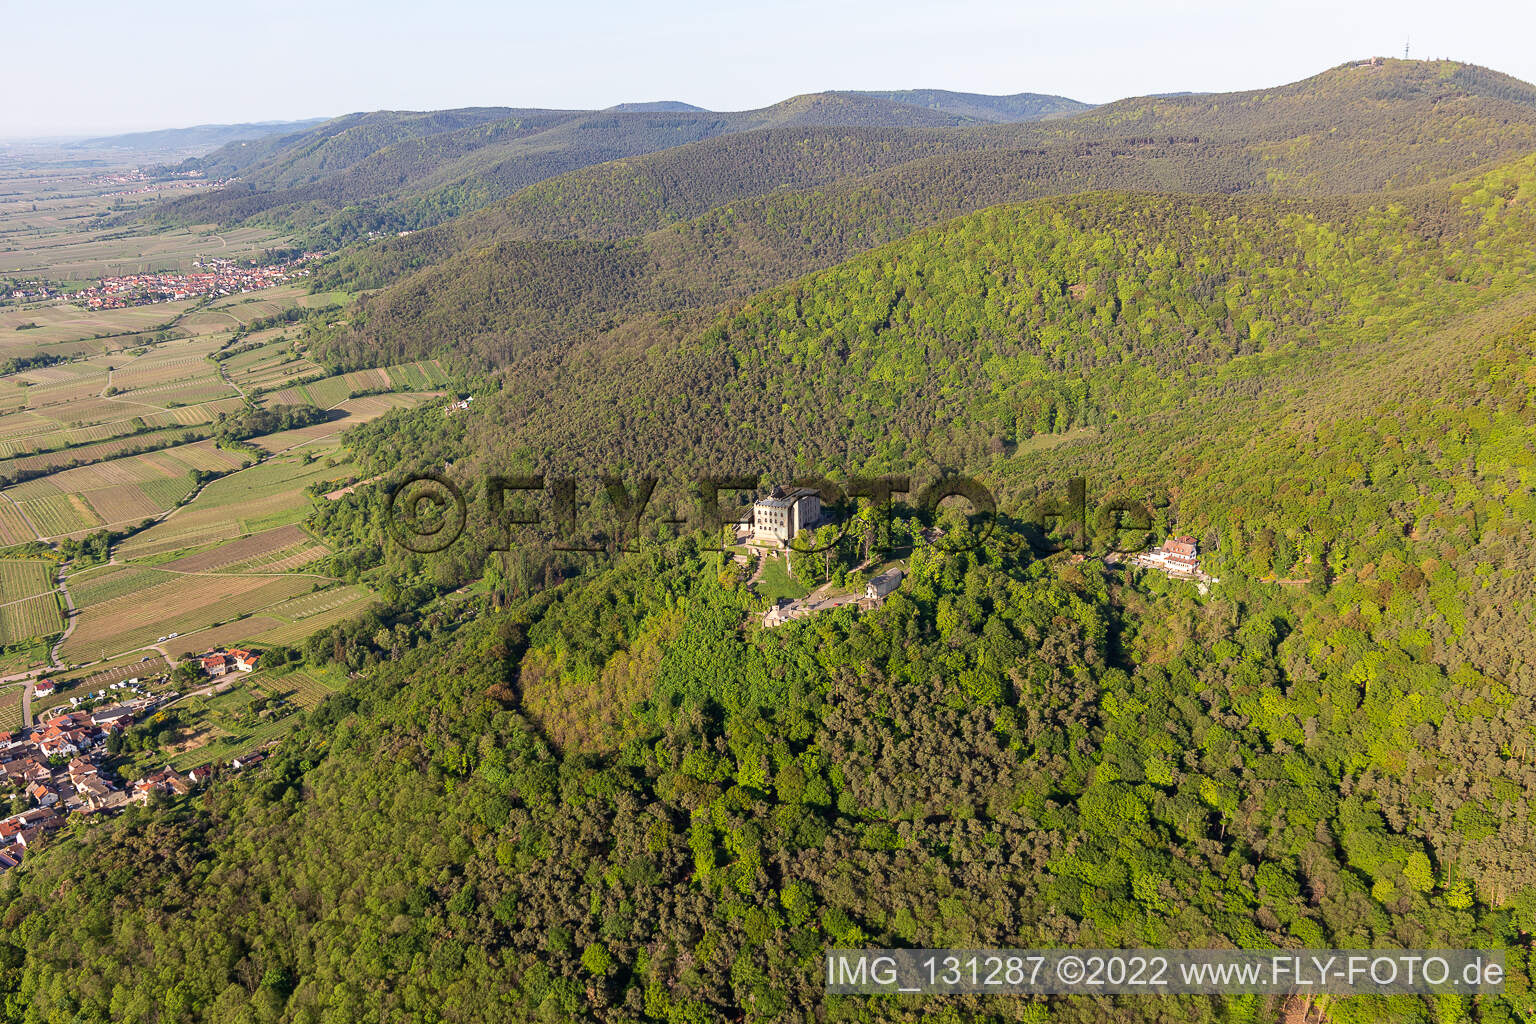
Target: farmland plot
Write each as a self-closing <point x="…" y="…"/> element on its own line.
<point x="28" y="578"/>
<point x="30" y="617"/>
<point x="179" y="605"/>
<point x="116" y="491"/>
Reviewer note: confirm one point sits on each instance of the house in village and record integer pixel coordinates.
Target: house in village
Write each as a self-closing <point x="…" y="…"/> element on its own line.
<point x="167" y="781"/>
<point x="221" y="663"/>
<point x="42" y="795"/>
<point x="202" y="774"/>
<point x="28" y="760"/>
<point x="247" y="760"/>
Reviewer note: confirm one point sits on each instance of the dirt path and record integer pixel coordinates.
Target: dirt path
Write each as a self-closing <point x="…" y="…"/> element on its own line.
<point x="757" y="574"/>
<point x="227" y="379"/>
<point x="344" y="491"/>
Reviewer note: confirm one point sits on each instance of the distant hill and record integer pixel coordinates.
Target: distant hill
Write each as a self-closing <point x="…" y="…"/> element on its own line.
<point x="753" y="208"/>
<point x="1023" y="106"/>
<point x="1346" y="129"/>
<point x="199" y="139"/>
<point x="1372" y="95"/>
<point x="441" y="163"/>
<point x="658" y="105"/>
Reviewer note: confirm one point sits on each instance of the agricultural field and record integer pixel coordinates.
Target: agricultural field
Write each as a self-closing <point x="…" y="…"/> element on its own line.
<point x="105" y="583"/>
<point x="246" y="308"/>
<point x="101" y="451"/>
<point x="29" y="607"/>
<point x="332" y="391"/>
<point x="119" y="491"/>
<point x="30" y="617"/>
<point x="282" y="549"/>
<point x="10" y="708"/>
<point x="14" y="528"/>
<point x="304" y="616"/>
<point x="270" y="365"/>
<point x="349" y="413"/>
<point x="150" y="386"/>
<point x="25" y="578"/>
<point x="264" y="496"/>
<point x="65" y="329"/>
<point x="228" y="634"/>
<point x="120" y="669"/>
<point x="111" y="434"/>
<point x="181" y="604"/>
<point x="87" y="255"/>
<point x="305" y="687"/>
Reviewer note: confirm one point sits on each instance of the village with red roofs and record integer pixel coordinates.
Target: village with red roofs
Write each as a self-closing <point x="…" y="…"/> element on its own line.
<point x="64" y="764"/>
<point x="212" y="276"/>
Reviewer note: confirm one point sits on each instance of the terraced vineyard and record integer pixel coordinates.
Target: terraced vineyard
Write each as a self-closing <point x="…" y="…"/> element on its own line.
<point x="117" y="491"/>
<point x="306" y="687"/>
<point x="24" y="577"/>
<point x="307" y="615"/>
<point x="181" y="604"/>
<point x="331" y="391"/>
<point x="30" y="617"/>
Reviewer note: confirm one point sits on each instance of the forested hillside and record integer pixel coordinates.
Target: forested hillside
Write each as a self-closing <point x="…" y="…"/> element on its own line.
<point x="411" y="169"/>
<point x="1024" y="106"/>
<point x="1348" y="129"/>
<point x="1298" y="325"/>
<point x="757" y="209"/>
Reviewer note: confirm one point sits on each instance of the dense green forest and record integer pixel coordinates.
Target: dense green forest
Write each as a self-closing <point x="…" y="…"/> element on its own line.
<point x="1298" y="325"/>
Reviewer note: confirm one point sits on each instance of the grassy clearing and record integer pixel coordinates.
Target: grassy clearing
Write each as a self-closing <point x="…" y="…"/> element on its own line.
<point x="227" y="744"/>
<point x="776" y="582"/>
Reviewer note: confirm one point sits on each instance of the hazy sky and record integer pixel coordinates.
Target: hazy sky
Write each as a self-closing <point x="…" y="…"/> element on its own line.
<point x="91" y="67"/>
